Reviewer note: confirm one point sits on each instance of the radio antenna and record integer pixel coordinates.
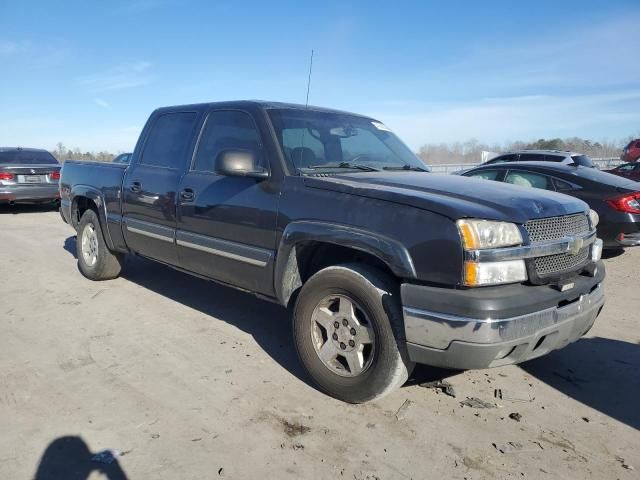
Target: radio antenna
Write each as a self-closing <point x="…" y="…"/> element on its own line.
<point x="306" y="105"/>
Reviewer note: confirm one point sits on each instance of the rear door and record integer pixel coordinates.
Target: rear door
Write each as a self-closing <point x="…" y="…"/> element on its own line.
<point x="149" y="187"/>
<point x="226" y="224"/>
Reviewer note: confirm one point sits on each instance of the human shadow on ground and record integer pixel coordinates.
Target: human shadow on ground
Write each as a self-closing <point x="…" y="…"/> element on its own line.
<point x="268" y="323"/>
<point x="69" y="458"/>
<point x="601" y="373"/>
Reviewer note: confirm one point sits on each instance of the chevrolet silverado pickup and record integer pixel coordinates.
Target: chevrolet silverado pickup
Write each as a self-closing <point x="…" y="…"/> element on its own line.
<point x="382" y="263"/>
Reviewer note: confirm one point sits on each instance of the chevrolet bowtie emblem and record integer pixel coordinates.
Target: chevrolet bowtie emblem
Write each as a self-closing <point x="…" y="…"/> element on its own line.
<point x="575" y="244"/>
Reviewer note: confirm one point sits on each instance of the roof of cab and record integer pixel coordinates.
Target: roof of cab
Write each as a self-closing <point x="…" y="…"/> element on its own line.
<point x="266" y="105"/>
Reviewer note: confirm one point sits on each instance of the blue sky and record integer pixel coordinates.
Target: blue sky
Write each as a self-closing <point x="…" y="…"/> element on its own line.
<point x="89" y="73"/>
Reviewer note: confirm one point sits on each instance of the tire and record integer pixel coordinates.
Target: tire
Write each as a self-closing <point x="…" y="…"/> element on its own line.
<point x="367" y="365"/>
<point x="95" y="260"/>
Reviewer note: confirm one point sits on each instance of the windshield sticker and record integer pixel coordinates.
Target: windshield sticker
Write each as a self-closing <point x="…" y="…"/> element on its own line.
<point x="381" y="126"/>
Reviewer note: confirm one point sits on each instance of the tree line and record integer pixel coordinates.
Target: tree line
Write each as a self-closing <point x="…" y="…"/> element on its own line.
<point x="62" y="153"/>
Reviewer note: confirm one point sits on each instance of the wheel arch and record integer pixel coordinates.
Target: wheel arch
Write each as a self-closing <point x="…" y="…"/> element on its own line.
<point x="308" y="246"/>
<point x="85" y="197"/>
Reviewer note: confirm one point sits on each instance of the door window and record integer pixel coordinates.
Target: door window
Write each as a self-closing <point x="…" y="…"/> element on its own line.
<point x="485" y="174"/>
<point x="562" y="186"/>
<point x="167" y="143"/>
<point x="503" y="158"/>
<point x="553" y="158"/>
<point x="303" y="146"/>
<point x="531" y="157"/>
<point x="528" y="179"/>
<point x="226" y="130"/>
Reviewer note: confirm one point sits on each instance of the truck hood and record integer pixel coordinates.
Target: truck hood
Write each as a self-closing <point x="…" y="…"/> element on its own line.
<point x="453" y="196"/>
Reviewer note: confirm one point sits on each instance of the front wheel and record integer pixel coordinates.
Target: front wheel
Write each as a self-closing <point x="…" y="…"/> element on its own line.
<point x="349" y="334"/>
<point x="95" y="260"/>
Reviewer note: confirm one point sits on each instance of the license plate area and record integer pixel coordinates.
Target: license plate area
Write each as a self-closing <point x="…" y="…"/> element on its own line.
<point x="33" y="178"/>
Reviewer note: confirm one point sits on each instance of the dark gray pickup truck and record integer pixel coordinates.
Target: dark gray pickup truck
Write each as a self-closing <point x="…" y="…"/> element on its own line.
<point x="382" y="263"/>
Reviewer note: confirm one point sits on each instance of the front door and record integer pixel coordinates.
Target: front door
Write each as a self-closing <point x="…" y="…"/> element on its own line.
<point x="226" y="224"/>
<point x="149" y="187"/>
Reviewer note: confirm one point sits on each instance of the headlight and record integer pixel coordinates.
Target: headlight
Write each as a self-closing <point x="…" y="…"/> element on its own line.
<point x="594" y="218"/>
<point x="479" y="234"/>
<point x="477" y="274"/>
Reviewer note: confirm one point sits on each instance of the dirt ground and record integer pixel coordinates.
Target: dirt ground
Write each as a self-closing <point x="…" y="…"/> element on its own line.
<point x="191" y="380"/>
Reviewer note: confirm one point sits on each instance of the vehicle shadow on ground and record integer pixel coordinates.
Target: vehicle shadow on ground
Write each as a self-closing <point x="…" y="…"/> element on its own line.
<point x="601" y="373"/>
<point x="6" y="209"/>
<point x="70" y="458"/>
<point x="268" y="323"/>
<point x="612" y="253"/>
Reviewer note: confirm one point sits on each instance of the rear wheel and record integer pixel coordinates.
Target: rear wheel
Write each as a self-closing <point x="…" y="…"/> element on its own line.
<point x="95" y="260"/>
<point x="349" y="334"/>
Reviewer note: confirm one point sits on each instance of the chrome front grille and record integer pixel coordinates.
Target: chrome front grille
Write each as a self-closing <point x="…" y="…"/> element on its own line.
<point x="562" y="262"/>
<point x="555" y="228"/>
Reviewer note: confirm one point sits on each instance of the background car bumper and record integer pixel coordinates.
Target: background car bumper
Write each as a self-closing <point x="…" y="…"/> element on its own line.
<point x="504" y="329"/>
<point x="29" y="193"/>
<point x="619" y="223"/>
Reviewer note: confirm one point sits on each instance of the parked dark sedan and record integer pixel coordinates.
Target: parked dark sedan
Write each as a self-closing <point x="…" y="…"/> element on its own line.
<point x="615" y="199"/>
<point x="28" y="175"/>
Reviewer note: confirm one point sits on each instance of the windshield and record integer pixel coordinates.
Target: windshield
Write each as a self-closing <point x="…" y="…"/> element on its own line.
<point x="315" y="141"/>
<point x="582" y="160"/>
<point x="27" y="157"/>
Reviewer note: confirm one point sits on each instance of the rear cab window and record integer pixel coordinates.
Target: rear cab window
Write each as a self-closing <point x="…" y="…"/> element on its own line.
<point x="169" y="140"/>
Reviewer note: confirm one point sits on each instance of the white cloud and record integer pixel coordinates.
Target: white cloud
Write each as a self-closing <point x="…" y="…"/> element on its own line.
<point x="102" y="103"/>
<point x="123" y="76"/>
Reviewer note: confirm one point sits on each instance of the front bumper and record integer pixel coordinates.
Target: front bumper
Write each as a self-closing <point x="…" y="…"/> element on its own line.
<point x="29" y="193"/>
<point x="499" y="326"/>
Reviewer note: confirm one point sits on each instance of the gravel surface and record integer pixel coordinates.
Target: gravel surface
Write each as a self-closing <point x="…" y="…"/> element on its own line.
<point x="161" y="375"/>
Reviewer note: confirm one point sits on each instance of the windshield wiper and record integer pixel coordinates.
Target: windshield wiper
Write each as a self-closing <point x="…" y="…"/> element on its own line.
<point x="408" y="168"/>
<point x="355" y="166"/>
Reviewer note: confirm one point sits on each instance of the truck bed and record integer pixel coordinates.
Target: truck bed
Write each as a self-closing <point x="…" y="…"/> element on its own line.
<point x="99" y="179"/>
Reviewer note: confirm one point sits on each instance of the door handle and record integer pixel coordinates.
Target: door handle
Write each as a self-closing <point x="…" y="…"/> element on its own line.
<point x="186" y="194"/>
<point x="136" y="187"/>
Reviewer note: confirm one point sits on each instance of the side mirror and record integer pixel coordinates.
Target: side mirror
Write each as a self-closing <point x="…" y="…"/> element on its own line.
<point x="239" y="163"/>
